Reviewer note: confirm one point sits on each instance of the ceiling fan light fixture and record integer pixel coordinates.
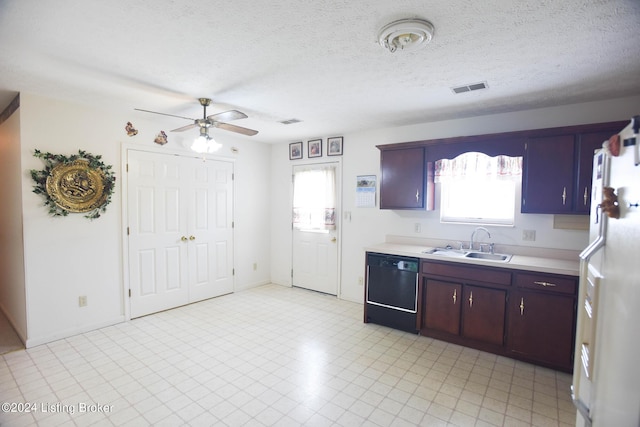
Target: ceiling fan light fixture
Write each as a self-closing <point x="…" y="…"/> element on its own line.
<point x="406" y="34"/>
<point x="204" y="143"/>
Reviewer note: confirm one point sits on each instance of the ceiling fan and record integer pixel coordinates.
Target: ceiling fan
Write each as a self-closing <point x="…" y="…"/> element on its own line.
<point x="214" y="120"/>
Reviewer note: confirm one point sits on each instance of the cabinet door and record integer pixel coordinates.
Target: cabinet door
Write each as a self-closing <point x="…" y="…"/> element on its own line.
<point x="442" y="306"/>
<point x="541" y="327"/>
<point x="547" y="181"/>
<point x="587" y="144"/>
<point x="403" y="179"/>
<point x="483" y="314"/>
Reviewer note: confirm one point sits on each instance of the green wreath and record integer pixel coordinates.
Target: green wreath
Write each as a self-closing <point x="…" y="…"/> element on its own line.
<point x="77" y="183"/>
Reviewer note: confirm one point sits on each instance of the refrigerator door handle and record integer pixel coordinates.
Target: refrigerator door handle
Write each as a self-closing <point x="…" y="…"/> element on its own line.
<point x="582" y="408"/>
<point x="594" y="247"/>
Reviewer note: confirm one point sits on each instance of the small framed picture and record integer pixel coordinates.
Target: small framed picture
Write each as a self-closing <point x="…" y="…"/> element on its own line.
<point x="314" y="148"/>
<point x="334" y="146"/>
<point x="295" y="150"/>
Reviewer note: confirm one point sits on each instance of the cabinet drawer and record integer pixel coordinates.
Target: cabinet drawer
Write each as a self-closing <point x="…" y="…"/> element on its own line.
<point x="464" y="273"/>
<point x="543" y="282"/>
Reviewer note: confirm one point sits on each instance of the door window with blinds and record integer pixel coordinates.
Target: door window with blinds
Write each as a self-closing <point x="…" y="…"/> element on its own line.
<point x="478" y="189"/>
<point x="314" y="198"/>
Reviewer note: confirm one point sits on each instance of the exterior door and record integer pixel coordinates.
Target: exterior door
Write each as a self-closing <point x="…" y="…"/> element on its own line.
<point x="179" y="230"/>
<point x="315" y="228"/>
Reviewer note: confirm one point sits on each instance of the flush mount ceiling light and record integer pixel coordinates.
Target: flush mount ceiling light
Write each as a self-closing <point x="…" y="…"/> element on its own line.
<point x="406" y="34"/>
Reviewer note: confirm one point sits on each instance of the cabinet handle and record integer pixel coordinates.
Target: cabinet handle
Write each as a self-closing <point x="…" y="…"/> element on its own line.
<point x="564" y="195"/>
<point x="521" y="306"/>
<point x="455" y="295"/>
<point x="470" y="299"/>
<point x="417" y="195"/>
<point x="586" y="193"/>
<point x="546" y="284"/>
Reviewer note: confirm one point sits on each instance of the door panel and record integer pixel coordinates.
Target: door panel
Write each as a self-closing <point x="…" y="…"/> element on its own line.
<point x="403" y="179"/>
<point x="547" y="180"/>
<point x="315" y="261"/>
<point x="156" y="253"/>
<point x="484" y="314"/>
<point x="315" y="252"/>
<point x="442" y="306"/>
<point x="210" y="225"/>
<point x="147" y="269"/>
<point x="541" y="327"/>
<point x="173" y="259"/>
<point x="180" y="230"/>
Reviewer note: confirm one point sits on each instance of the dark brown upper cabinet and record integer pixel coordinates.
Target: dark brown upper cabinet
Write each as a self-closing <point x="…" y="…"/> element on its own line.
<point x="587" y="144"/>
<point x="403" y="181"/>
<point x="557" y="166"/>
<point x="557" y="170"/>
<point x="547" y="175"/>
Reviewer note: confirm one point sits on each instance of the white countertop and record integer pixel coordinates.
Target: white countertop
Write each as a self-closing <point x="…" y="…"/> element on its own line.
<point x="517" y="262"/>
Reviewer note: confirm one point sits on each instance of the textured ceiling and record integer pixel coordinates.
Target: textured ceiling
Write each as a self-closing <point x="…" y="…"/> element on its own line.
<point x="318" y="61"/>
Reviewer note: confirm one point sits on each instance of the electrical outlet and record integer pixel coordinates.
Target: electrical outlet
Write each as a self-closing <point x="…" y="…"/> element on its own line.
<point x="255" y="266"/>
<point x="529" y="235"/>
<point x="82" y="301"/>
<point x="417" y="227"/>
<point x="360" y="281"/>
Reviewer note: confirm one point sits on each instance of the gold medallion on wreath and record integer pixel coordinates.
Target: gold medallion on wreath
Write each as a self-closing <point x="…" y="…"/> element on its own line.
<point x="76" y="186"/>
<point x="78" y="183"/>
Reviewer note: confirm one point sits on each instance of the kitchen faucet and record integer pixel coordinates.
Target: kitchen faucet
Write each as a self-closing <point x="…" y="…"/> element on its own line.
<point x="474" y="234"/>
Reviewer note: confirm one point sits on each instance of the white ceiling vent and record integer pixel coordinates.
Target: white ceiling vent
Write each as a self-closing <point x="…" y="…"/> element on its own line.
<point x="290" y="121"/>
<point x="470" y="87"/>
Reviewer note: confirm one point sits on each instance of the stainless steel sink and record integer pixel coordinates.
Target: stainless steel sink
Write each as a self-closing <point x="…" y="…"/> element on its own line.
<point x="488" y="256"/>
<point x="456" y="253"/>
<point x="459" y="253"/>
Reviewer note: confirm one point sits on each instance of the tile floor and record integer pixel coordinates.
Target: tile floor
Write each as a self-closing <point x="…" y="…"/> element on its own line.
<point x="272" y="356"/>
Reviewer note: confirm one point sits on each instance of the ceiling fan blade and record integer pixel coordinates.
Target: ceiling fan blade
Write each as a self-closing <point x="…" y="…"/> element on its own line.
<point x="187" y="127"/>
<point x="227" y="115"/>
<point x="163" y="114"/>
<point x="234" y="128"/>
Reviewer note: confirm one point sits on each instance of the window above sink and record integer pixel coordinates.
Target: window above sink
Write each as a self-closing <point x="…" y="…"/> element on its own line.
<point x="478" y="189"/>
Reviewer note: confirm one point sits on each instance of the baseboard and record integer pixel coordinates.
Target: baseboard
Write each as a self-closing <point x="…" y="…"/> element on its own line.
<point x="33" y="342"/>
<point x="21" y="334"/>
<point x="251" y="285"/>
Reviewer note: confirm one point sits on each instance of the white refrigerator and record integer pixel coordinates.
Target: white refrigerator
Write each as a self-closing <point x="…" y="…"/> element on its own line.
<point x="606" y="376"/>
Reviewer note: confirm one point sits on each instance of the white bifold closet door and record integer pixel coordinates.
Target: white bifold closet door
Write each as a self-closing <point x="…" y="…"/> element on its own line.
<point x="180" y="230"/>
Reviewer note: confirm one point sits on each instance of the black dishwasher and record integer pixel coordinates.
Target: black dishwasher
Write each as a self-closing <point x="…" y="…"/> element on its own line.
<point x="391" y="292"/>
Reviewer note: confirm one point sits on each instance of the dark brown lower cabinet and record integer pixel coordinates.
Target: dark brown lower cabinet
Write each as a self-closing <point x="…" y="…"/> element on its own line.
<point x="458" y="307"/>
<point x="521" y="314"/>
<point x="541" y="328"/>
<point x="483" y="314"/>
<point x="442" y="306"/>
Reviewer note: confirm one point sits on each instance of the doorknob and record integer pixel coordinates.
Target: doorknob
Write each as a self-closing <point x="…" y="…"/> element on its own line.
<point x="183" y="238"/>
<point x="333" y="240"/>
<point x="192" y="237"/>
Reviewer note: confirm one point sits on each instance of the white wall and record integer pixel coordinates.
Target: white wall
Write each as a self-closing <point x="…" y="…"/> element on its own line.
<point x="72" y="256"/>
<point x="12" y="287"/>
<point x="252" y="212"/>
<point x="369" y="226"/>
